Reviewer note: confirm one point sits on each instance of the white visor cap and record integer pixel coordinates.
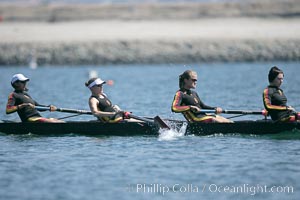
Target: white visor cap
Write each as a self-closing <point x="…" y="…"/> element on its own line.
<point x="19" y="77"/>
<point x="98" y="81"/>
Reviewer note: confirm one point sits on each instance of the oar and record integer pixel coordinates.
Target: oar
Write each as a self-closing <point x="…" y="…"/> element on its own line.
<point x="157" y="119"/>
<point x="161" y="123"/>
<point x="243" y="112"/>
<point x="139" y="118"/>
<point x="67" y="110"/>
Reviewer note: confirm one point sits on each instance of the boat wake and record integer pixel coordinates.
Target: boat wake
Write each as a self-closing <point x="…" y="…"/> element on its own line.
<point x="173" y="133"/>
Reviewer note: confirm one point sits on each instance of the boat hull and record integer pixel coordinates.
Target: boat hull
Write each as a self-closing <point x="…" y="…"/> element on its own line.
<point x="85" y="128"/>
<point x="260" y="127"/>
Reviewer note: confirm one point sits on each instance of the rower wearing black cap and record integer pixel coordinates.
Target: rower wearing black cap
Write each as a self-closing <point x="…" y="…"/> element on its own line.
<point x="101" y="106"/>
<point x="21" y="102"/>
<point x="275" y="101"/>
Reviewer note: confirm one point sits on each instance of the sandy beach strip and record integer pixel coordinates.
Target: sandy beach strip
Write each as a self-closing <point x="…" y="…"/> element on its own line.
<point x="160" y="41"/>
<point x="87" y="31"/>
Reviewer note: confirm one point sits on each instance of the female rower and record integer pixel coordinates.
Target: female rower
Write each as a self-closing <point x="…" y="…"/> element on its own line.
<point x="187" y="101"/>
<point x="275" y="101"/>
<point x="101" y="106"/>
<point x="20" y="101"/>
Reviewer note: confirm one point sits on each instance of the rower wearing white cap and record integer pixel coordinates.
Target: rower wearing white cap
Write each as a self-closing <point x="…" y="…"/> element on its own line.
<point x="21" y="102"/>
<point x="100" y="105"/>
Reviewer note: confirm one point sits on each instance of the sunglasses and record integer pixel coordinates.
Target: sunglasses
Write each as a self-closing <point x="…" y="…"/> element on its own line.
<point x="21" y="82"/>
<point x="194" y="80"/>
<point x="98" y="85"/>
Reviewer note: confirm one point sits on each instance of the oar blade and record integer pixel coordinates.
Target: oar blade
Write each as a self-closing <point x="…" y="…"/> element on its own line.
<point x="161" y="123"/>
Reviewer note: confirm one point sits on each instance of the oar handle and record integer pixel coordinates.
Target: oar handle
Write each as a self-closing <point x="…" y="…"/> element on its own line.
<point x="67" y="110"/>
<point x="42" y="108"/>
<point x="243" y="112"/>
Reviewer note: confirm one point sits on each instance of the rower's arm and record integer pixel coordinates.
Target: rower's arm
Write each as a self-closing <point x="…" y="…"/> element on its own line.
<point x="203" y="105"/>
<point x="10" y="106"/>
<point x="37" y="104"/>
<point x="176" y="105"/>
<point x="267" y="102"/>
<point x="41" y="105"/>
<point x="93" y="103"/>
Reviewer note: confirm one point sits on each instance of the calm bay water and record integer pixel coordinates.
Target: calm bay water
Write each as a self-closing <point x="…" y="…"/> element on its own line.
<point x="188" y="167"/>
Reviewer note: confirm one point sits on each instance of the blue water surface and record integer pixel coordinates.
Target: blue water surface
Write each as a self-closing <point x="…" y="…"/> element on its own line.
<point x="187" y="167"/>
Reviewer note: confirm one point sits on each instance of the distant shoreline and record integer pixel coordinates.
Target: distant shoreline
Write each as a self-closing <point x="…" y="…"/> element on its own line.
<point x="150" y="33"/>
<point x="149" y="52"/>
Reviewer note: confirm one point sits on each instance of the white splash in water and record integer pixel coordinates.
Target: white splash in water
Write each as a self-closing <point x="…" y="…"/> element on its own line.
<point x="172" y="134"/>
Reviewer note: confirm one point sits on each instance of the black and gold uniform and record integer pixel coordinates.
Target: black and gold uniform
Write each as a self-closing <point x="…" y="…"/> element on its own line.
<point x="105" y="105"/>
<point x="27" y="114"/>
<point x="275" y="103"/>
<point x="184" y="99"/>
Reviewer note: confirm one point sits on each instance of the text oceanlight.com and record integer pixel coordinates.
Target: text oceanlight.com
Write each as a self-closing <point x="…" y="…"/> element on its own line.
<point x="211" y="188"/>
